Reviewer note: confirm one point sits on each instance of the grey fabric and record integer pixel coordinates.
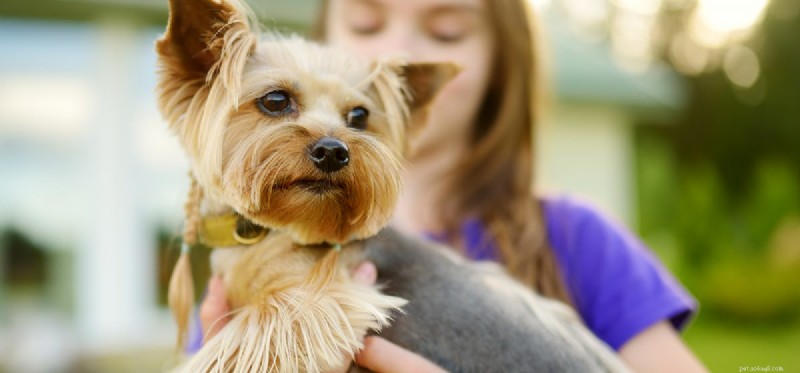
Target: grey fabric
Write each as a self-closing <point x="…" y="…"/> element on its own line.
<point x="471" y="317"/>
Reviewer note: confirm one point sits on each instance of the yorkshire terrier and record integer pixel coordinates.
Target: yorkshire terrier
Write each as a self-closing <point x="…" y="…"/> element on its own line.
<point x="305" y="141"/>
<point x="296" y="153"/>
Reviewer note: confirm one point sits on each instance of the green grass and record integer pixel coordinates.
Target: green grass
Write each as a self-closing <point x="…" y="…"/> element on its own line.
<point x="724" y="347"/>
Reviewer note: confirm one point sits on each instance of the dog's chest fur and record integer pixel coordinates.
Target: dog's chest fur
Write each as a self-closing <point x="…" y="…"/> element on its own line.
<point x="256" y="272"/>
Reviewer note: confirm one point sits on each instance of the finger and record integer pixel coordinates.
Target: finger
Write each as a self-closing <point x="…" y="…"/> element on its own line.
<point x="380" y="355"/>
<point x="365" y="273"/>
<point x="214" y="309"/>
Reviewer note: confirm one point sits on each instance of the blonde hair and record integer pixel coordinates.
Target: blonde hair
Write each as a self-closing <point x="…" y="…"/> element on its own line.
<point x="495" y="180"/>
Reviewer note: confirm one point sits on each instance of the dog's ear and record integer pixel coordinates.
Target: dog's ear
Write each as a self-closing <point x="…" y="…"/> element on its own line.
<point x="196" y="35"/>
<point x="424" y="81"/>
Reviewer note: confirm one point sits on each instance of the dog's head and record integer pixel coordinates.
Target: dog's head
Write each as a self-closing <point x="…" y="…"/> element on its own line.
<point x="290" y="134"/>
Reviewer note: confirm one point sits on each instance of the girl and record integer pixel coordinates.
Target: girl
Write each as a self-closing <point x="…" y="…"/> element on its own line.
<point x="469" y="182"/>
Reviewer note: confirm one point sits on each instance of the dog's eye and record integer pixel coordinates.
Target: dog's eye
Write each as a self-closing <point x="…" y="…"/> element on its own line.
<point x="275" y="103"/>
<point x="357" y="118"/>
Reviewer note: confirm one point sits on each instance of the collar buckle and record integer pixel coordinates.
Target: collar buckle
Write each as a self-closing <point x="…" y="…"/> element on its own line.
<point x="231" y="229"/>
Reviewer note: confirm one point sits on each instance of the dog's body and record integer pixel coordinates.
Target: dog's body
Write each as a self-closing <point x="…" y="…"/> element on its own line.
<point x="306" y="142"/>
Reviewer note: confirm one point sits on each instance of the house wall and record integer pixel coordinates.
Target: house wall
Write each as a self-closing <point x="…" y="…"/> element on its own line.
<point x="585" y="150"/>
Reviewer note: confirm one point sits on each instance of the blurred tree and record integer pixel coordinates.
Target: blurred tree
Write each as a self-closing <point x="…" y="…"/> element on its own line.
<point x="735" y="128"/>
<point x="167" y="251"/>
<point x="719" y="186"/>
<point x="735" y="159"/>
<point x="742" y="63"/>
<point x="25" y="263"/>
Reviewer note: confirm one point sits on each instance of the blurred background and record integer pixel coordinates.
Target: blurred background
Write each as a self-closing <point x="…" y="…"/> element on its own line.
<point x="679" y="117"/>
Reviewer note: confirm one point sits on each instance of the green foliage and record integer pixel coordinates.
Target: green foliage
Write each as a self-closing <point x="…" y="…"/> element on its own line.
<point x="168" y="250"/>
<point x="727" y="346"/>
<point x="740" y="288"/>
<point x="719" y="189"/>
<point x="721" y="244"/>
<point x="24" y="262"/>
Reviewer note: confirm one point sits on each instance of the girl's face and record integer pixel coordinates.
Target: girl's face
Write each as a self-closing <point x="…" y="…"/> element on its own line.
<point x="424" y="31"/>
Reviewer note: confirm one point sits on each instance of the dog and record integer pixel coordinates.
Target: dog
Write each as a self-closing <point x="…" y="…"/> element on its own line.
<point x="296" y="153"/>
<point x="299" y="138"/>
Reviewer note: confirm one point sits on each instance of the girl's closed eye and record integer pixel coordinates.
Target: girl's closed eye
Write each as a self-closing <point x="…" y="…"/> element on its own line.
<point x="450" y="25"/>
<point x="363" y="17"/>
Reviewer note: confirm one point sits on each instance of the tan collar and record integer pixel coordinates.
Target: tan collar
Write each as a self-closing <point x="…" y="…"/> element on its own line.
<point x="231" y="229"/>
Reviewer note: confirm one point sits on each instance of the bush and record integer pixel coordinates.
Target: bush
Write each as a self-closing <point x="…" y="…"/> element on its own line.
<point x="725" y="246"/>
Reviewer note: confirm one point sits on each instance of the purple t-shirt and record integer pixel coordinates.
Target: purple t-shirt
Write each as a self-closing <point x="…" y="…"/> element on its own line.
<point x="619" y="288"/>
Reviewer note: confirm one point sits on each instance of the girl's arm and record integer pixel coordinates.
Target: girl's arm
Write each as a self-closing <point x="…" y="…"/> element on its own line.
<point x="659" y="348"/>
<point x="382" y="356"/>
<point x="656" y="349"/>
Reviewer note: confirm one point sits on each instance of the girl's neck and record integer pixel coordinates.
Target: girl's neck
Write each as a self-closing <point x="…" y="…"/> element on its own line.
<point x="423" y="190"/>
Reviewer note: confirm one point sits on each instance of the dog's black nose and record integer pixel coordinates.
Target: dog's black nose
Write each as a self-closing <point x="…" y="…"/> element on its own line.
<point x="330" y="154"/>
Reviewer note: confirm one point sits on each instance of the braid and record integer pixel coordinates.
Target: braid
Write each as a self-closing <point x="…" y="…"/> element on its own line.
<point x="181" y="287"/>
<point x="192" y="211"/>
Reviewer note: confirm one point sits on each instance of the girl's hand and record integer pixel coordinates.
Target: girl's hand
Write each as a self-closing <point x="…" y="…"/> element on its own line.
<point x="214" y="309"/>
<point x="382" y="356"/>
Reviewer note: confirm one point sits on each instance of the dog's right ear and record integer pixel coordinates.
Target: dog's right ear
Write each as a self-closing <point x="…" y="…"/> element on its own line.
<point x="197" y="33"/>
<point x="424" y="81"/>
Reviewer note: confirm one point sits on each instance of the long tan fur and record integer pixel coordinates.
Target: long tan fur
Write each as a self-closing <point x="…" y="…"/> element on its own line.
<point x="303" y="315"/>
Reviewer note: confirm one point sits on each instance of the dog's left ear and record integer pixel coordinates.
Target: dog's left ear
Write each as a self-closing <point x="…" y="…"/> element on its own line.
<point x="197" y="33"/>
<point x="424" y="81"/>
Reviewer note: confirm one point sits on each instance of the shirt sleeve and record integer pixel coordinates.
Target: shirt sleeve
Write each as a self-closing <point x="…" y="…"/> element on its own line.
<point x="619" y="287"/>
<point x="194" y="340"/>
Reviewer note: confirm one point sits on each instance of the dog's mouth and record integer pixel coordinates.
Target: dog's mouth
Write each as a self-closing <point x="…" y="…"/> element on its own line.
<point x="318" y="186"/>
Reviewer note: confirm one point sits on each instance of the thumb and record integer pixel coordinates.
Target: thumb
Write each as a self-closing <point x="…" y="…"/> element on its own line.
<point x="365" y="273"/>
